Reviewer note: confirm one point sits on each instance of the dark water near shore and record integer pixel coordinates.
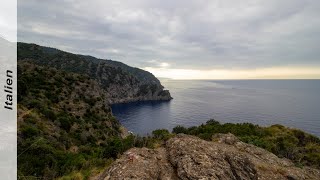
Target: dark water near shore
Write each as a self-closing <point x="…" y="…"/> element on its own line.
<point x="293" y="103"/>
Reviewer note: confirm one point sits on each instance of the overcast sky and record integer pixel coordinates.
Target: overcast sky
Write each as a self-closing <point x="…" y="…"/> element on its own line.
<point x="195" y="39"/>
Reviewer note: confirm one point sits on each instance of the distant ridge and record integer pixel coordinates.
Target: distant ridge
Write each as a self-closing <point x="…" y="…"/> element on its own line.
<point x="122" y="82"/>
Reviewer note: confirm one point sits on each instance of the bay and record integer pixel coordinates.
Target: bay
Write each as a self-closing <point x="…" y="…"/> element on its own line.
<point x="293" y="103"/>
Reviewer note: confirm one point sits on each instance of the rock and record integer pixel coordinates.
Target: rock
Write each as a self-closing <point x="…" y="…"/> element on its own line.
<point x="199" y="159"/>
<point x="188" y="157"/>
<point x="226" y="138"/>
<point x="146" y="164"/>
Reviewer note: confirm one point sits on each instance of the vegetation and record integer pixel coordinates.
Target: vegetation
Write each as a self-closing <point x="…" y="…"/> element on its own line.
<point x="161" y="134"/>
<point x="64" y="130"/>
<point x="105" y="72"/>
<point x="67" y="131"/>
<point x="62" y="127"/>
<point x="294" y="144"/>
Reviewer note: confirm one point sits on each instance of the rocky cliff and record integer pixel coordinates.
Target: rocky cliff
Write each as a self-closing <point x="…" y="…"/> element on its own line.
<point x="121" y="82"/>
<point x="188" y="157"/>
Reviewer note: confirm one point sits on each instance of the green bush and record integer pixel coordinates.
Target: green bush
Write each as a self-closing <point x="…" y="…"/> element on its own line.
<point x="213" y="122"/>
<point x="30" y="119"/>
<point x="48" y="113"/>
<point x="65" y="123"/>
<point x="34" y="104"/>
<point x="162" y="134"/>
<point x="29" y="131"/>
<point x="179" y="129"/>
<point x="113" y="148"/>
<point x="23" y="89"/>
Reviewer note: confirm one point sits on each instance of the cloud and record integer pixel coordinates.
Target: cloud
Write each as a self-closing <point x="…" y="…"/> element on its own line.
<point x="260" y="73"/>
<point x="164" y="64"/>
<point x="201" y="35"/>
<point x="8" y="20"/>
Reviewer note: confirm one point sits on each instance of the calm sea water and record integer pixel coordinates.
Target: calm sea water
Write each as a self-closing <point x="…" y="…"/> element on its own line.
<point x="294" y="103"/>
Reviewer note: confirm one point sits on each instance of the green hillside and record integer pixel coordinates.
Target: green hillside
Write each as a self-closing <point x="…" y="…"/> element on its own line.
<point x="64" y="123"/>
<point x="122" y="82"/>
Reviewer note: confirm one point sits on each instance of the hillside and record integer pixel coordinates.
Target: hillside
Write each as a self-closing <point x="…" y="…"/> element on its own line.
<point x="63" y="126"/>
<point x="66" y="129"/>
<point x="65" y="123"/>
<point x="121" y="82"/>
<point x="189" y="157"/>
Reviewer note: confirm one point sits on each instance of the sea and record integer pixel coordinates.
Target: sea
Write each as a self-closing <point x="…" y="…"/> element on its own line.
<point x="293" y="103"/>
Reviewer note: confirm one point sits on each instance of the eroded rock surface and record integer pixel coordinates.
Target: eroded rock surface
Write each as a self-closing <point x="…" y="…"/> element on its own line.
<point x="188" y="157"/>
<point x="145" y="164"/>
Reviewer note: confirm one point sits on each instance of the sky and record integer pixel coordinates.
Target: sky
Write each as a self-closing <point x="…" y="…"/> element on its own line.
<point x="184" y="39"/>
<point x="8" y="20"/>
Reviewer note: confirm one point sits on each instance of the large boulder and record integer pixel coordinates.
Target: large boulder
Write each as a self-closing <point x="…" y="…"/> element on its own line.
<point x="188" y="157"/>
<point x="140" y="163"/>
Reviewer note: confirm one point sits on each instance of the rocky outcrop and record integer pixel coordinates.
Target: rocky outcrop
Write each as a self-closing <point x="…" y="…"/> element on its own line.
<point x="121" y="82"/>
<point x="145" y="164"/>
<point x="188" y="157"/>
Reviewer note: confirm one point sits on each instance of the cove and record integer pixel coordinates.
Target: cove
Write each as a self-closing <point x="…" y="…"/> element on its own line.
<point x="293" y="103"/>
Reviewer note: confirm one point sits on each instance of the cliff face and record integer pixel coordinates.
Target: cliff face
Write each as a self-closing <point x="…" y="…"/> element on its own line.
<point x="121" y="82"/>
<point x="188" y="157"/>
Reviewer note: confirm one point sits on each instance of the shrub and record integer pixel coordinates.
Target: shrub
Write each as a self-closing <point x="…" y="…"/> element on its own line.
<point x="213" y="122"/>
<point x="162" y="134"/>
<point x="23" y="89"/>
<point x="29" y="131"/>
<point x="30" y="118"/>
<point x="34" y="104"/>
<point x="180" y="129"/>
<point x="90" y="101"/>
<point x="65" y="123"/>
<point x="48" y="113"/>
<point x="114" y="147"/>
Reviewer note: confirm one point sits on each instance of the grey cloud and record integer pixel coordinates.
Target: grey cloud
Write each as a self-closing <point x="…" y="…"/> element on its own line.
<point x="198" y="34"/>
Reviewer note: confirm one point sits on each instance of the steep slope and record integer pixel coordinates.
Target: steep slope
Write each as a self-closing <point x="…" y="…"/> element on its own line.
<point x="188" y="157"/>
<point x="64" y="123"/>
<point x="122" y="83"/>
